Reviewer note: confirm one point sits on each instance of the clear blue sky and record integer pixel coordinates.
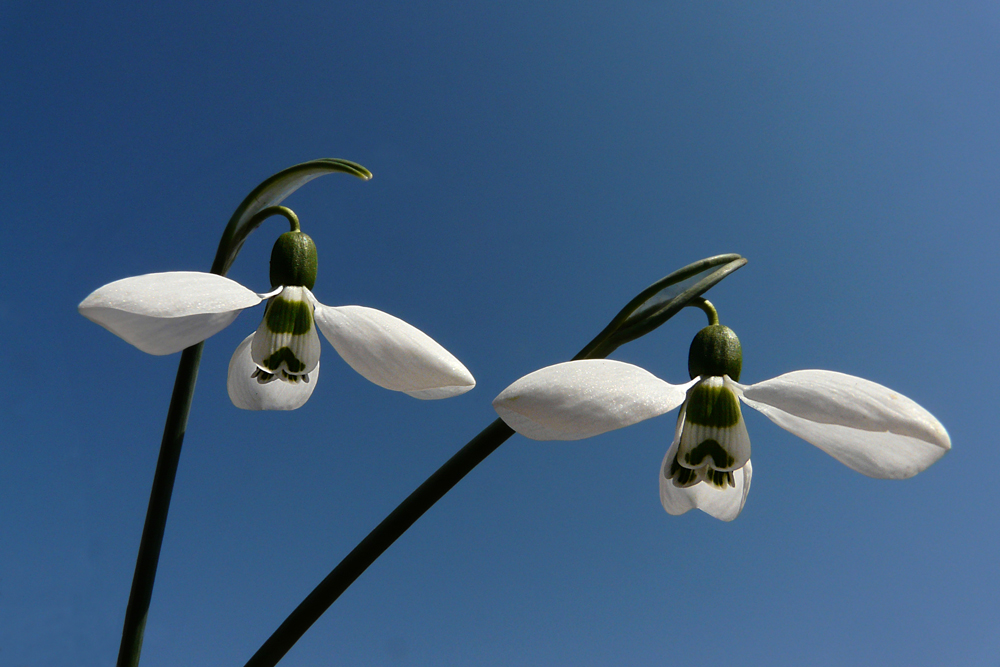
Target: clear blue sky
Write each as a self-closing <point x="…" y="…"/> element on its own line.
<point x="536" y="165"/>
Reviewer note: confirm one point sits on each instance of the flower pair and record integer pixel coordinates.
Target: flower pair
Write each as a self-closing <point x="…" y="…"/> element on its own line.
<point x="276" y="367"/>
<point x="864" y="425"/>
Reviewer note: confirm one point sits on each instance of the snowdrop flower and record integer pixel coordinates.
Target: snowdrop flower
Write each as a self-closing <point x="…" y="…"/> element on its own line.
<point x="864" y="425"/>
<point x="276" y="367"/>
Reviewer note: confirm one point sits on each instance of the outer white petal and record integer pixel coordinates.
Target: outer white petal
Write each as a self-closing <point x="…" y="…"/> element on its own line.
<point x="439" y="392"/>
<point x="579" y="399"/>
<point x="391" y="353"/>
<point x="725" y="504"/>
<point x="248" y="394"/>
<point x="864" y="425"/>
<point x="162" y="313"/>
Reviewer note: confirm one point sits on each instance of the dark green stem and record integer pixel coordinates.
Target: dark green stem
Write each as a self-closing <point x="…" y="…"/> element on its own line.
<point x="159" y="504"/>
<point x="705" y="274"/>
<point x="377" y="541"/>
<point x="258" y="205"/>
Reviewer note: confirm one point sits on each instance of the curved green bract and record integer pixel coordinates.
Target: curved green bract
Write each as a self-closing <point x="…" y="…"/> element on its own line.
<point x="659" y="302"/>
<point x="271" y="193"/>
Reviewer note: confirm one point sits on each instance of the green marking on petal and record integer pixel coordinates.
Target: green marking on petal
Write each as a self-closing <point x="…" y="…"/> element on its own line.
<point x="709" y="449"/>
<point x="681" y="477"/>
<point x="289" y="317"/>
<point x="721" y="479"/>
<point x="713" y="406"/>
<point x="263" y="377"/>
<point x="285" y="355"/>
<point x="685" y="477"/>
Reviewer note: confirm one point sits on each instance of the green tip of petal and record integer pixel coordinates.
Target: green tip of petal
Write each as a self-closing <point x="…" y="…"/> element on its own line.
<point x="286" y="356"/>
<point x="709" y="449"/>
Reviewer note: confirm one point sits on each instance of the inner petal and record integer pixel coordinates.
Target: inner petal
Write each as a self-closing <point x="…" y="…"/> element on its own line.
<point x="286" y="345"/>
<point x="683" y="477"/>
<point x="713" y="436"/>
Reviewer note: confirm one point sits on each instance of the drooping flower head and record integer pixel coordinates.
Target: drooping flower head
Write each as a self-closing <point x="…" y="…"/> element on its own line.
<point x="276" y="367"/>
<point x="713" y="440"/>
<point x="866" y="426"/>
<point x="285" y="346"/>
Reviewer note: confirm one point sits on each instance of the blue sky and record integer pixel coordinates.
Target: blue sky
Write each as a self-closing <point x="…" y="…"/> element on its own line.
<point x="536" y="165"/>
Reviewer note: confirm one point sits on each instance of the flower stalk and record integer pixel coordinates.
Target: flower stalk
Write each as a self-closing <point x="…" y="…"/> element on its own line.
<point x="159" y="504"/>
<point x="248" y="216"/>
<point x="706" y="306"/>
<point x="648" y="310"/>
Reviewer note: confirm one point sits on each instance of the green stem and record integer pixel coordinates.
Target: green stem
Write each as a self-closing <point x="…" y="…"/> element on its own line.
<point x="258" y="205"/>
<point x="708" y="308"/>
<point x="377" y="541"/>
<point x="471" y="455"/>
<point x="293" y="220"/>
<point x="159" y="504"/>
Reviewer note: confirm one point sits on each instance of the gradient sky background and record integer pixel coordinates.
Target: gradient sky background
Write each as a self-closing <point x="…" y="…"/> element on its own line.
<point x="536" y="165"/>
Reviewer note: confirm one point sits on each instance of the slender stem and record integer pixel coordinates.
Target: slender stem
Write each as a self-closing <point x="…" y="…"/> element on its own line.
<point x="707" y="307"/>
<point x="293" y="220"/>
<point x="159" y="503"/>
<point x="261" y="203"/>
<point x="380" y="539"/>
<point x="459" y="465"/>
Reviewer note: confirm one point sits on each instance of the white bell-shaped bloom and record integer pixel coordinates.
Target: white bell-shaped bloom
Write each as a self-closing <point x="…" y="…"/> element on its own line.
<point x="864" y="425"/>
<point x="276" y="367"/>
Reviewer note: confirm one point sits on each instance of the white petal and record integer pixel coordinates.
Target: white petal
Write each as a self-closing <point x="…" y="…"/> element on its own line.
<point x="864" y="425"/>
<point x="294" y="348"/>
<point x="248" y="394"/>
<point x="162" y="313"/>
<point x="438" y="392"/>
<point x="579" y="399"/>
<point x="727" y="440"/>
<point x="391" y="353"/>
<point x="725" y="504"/>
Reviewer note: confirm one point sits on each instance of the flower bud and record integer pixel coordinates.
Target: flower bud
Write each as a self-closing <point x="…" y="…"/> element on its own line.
<point x="293" y="261"/>
<point x="715" y="352"/>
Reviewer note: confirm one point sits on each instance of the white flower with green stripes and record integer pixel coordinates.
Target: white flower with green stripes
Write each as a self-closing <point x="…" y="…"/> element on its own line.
<point x="864" y="425"/>
<point x="276" y="367"/>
